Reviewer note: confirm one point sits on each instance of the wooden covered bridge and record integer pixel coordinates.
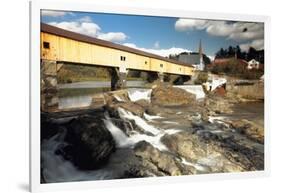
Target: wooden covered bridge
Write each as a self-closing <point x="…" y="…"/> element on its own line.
<point x="59" y="47"/>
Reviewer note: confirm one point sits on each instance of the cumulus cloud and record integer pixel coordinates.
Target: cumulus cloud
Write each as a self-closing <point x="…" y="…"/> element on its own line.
<point x="90" y="29"/>
<point x="52" y="13"/>
<point x="237" y="31"/>
<point x="159" y="52"/>
<point x="190" y="24"/>
<point x="257" y="44"/>
<point x="85" y="19"/>
<point x="86" y="26"/>
<point x="113" y="36"/>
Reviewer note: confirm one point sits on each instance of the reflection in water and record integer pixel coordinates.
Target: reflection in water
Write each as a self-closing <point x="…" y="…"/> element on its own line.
<point x="75" y="102"/>
<point x="76" y="95"/>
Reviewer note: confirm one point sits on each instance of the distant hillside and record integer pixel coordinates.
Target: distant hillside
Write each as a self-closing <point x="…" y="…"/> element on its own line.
<point x="78" y="73"/>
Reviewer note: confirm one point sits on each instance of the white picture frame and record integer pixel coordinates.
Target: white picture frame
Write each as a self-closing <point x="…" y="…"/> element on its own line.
<point x="36" y="6"/>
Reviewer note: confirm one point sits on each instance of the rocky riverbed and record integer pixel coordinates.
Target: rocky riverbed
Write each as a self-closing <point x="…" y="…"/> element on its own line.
<point x="165" y="131"/>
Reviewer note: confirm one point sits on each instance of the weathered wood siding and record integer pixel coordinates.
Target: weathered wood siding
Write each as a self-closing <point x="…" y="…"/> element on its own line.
<point x="68" y="50"/>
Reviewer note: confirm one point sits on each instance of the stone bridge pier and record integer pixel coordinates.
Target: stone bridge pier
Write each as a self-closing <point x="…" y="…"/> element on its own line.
<point x="49" y="85"/>
<point x="118" y="78"/>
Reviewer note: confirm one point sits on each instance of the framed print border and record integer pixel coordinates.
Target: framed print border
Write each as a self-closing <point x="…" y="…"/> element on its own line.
<point x="36" y="6"/>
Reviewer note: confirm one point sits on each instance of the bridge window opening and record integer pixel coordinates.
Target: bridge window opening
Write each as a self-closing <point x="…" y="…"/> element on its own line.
<point x="123" y="58"/>
<point x="145" y="62"/>
<point x="46" y="45"/>
<point x="161" y="65"/>
<point x="180" y="69"/>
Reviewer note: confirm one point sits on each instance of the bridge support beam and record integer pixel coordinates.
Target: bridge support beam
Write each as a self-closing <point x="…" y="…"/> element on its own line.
<point x="49" y="89"/>
<point x="118" y="79"/>
<point x="161" y="76"/>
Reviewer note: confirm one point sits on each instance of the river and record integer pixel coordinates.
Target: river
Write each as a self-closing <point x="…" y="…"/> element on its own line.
<point x="79" y="94"/>
<point x="208" y="145"/>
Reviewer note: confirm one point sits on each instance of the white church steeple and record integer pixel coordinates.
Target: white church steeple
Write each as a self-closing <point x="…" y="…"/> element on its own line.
<point x="201" y="62"/>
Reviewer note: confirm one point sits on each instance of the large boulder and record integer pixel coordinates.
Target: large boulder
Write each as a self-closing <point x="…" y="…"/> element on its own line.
<point x="186" y="145"/>
<point x="133" y="107"/>
<point x="48" y="127"/>
<point x="216" y="104"/>
<point x="167" y="95"/>
<point x="89" y="142"/>
<point x="157" y="161"/>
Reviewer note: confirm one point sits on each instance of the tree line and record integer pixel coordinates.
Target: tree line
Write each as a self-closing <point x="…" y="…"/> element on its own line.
<point x="231" y="52"/>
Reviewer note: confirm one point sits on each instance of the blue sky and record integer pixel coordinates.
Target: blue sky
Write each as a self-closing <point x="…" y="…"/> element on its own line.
<point x="160" y="35"/>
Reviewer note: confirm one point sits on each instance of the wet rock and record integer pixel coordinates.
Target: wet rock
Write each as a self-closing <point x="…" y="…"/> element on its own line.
<point x="250" y="129"/>
<point x="142" y="102"/>
<point x="133" y="107"/>
<point x="186" y="145"/>
<point x="89" y="142"/>
<point x="236" y="156"/>
<point x="217" y="104"/>
<point x="156" y="160"/>
<point x="109" y="98"/>
<point x="217" y="153"/>
<point x="128" y="127"/>
<point x="48" y="127"/>
<point x="166" y="95"/>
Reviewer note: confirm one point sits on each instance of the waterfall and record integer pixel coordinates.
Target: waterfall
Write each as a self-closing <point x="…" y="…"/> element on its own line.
<point x="217" y="82"/>
<point x="151" y="117"/>
<point x="129" y="141"/>
<point x="138" y="120"/>
<point x="57" y="169"/>
<point x="120" y="138"/>
<point x="197" y="90"/>
<point x="138" y="94"/>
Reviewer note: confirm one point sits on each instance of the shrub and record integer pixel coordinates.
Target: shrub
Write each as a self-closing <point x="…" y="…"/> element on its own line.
<point x="201" y="78"/>
<point x="234" y="68"/>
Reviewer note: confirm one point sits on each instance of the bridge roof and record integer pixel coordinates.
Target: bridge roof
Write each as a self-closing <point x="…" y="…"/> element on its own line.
<point x="83" y="38"/>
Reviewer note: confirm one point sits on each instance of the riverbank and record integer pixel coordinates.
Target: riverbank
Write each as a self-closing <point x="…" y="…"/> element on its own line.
<point x="142" y="134"/>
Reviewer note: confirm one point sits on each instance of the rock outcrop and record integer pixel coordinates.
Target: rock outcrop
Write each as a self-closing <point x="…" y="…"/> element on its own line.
<point x="250" y="129"/>
<point x="217" y="104"/>
<point x="217" y="153"/>
<point x="89" y="143"/>
<point x="156" y="160"/>
<point x="167" y="95"/>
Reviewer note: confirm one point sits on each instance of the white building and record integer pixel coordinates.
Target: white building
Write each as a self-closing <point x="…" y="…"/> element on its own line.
<point x="253" y="64"/>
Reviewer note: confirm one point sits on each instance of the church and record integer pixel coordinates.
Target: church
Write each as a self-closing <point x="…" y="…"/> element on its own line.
<point x="195" y="59"/>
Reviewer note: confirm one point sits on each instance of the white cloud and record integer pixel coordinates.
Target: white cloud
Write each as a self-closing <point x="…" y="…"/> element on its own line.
<point x="237" y="31"/>
<point x="86" y="26"/>
<point x="85" y="19"/>
<point x="190" y="24"/>
<point x="113" y="36"/>
<point x="257" y="44"/>
<point x="51" y="13"/>
<point x="159" y="52"/>
<point x="219" y="28"/>
<point x="156" y="44"/>
<point x="90" y="29"/>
